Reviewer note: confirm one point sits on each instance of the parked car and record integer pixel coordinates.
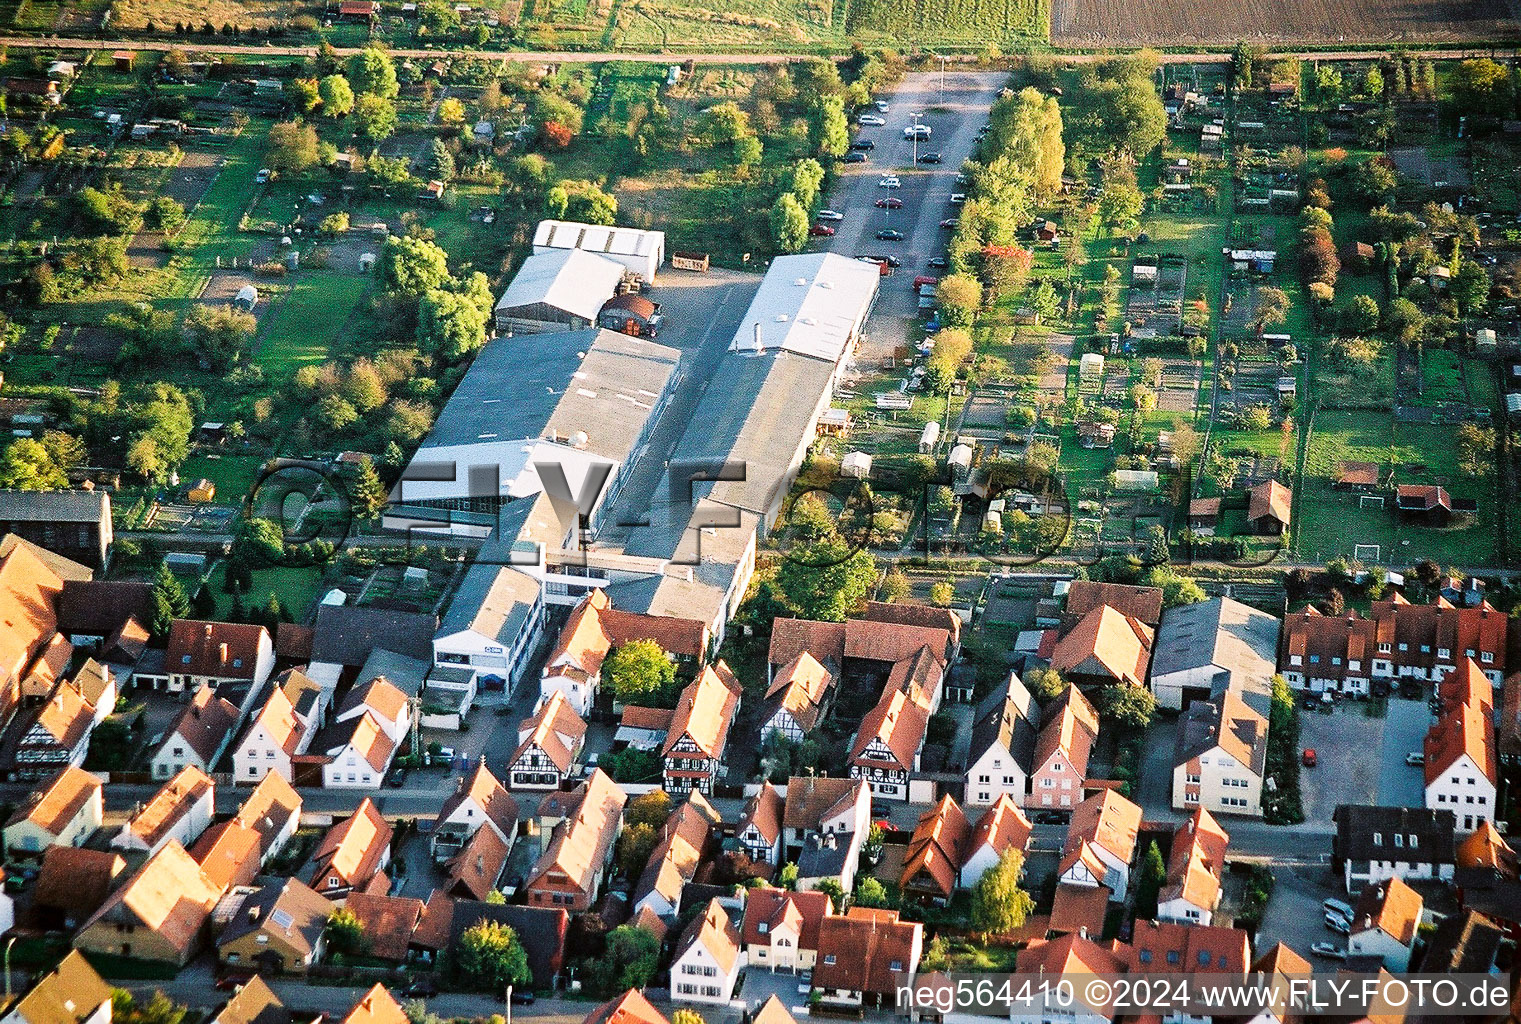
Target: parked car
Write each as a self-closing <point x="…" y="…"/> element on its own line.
<point x="871" y="120"/>
<point x="889" y="203"/>
<point x="1410" y="689"/>
<point x="881" y="106"/>
<point x="957" y="198"/>
<point x="821" y="231"/>
<point x="1338" y="924"/>
<point x="881" y="810"/>
<point x="422" y="988"/>
<point x="523" y="998"/>
<point x="863" y="144"/>
<point x="1336" y="906"/>
<point x="1328" y="951"/>
<point x="1049" y="818"/>
<point x="890" y="235"/>
<point x="932" y="158"/>
<point x="397" y="778"/>
<point x="890" y="181"/>
<point x="1415" y="759"/>
<point x="951" y="222"/>
<point x="855" y="156"/>
<point x="917" y="131"/>
<point x="830" y="215"/>
<point x="1308" y="757"/>
<point x="939" y="262"/>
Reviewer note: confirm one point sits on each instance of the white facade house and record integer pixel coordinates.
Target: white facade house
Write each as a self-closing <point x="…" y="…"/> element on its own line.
<point x="1461" y="767"/>
<point x="389" y="705"/>
<point x="178" y="812"/>
<point x="361" y="760"/>
<point x="1386" y="923"/>
<point x="1002" y="827"/>
<point x="64" y="812"/>
<point x="1374" y="844"/>
<point x="276" y="735"/>
<point x="638" y="250"/>
<point x="1221" y="757"/>
<point x="709" y="958"/>
<point x="1003" y="745"/>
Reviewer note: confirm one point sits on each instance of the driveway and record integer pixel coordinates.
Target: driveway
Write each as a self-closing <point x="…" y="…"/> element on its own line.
<point x="1405" y="725"/>
<point x="761" y="984"/>
<point x="953" y="114"/>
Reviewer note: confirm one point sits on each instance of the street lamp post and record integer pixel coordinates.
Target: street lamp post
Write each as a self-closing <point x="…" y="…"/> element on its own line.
<point x="11" y="942"/>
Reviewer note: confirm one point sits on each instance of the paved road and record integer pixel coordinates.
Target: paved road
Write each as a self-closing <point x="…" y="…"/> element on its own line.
<point x="54" y="42"/>
<point x="953" y="115"/>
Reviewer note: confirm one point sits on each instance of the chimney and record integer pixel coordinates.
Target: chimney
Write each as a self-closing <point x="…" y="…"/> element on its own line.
<point x="222" y="653"/>
<point x="253" y="915"/>
<point x="208" y="631"/>
<point x="760" y="346"/>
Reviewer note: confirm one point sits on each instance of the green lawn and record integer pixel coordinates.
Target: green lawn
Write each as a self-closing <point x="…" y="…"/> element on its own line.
<point x="301" y="327"/>
<point x="296" y="589"/>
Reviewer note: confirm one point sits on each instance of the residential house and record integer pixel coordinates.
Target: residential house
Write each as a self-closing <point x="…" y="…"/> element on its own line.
<point x="1105" y="648"/>
<point x="1002" y="827"/>
<point x="800" y="694"/>
<point x="548" y="745"/>
<point x="1462" y="769"/>
<point x="72" y="524"/>
<point x="198" y="736"/>
<point x="1069" y="728"/>
<point x="1385" y="923"/>
<point x="884" y="636"/>
<point x="543" y="932"/>
<point x="229" y="854"/>
<point x="179" y="812"/>
<point x="1425" y="504"/>
<point x="359" y="752"/>
<point x="475" y="870"/>
<point x="759" y="829"/>
<point x="1375" y="844"/>
<point x="345" y="636"/>
<point x="684" y="842"/>
<point x="1279" y="967"/>
<point x="273" y="810"/>
<point x="1188" y="949"/>
<point x="863" y="956"/>
<point x="277" y="929"/>
<point x="72" y="885"/>
<point x="161" y="914"/>
<point x="577" y="852"/>
<point x="824" y="825"/>
<point x="1002" y="750"/>
<point x="629" y="1008"/>
<point x="574" y="666"/>
<point x="887" y="745"/>
<point x="387" y="704"/>
<point x="773" y="1011"/>
<point x="781" y="928"/>
<point x="274" y="740"/>
<point x="1268" y="506"/>
<point x="232" y="655"/>
<point x="693" y="751"/>
<point x="64" y="812"/>
<point x="353" y="855"/>
<point x="29" y="589"/>
<point x="377" y="1006"/>
<point x="388" y="922"/>
<point x="1466" y="684"/>
<point x="478" y="801"/>
<point x="1083" y="596"/>
<point x="1063" y="959"/>
<point x="1102" y="836"/>
<point x="1205" y="649"/>
<point x="53" y="735"/>
<point x="1195" y="871"/>
<point x="256" y="1003"/>
<point x="938" y="848"/>
<point x="1221" y="757"/>
<point x="1463" y="943"/>
<point x="96" y="682"/>
<point x="708" y="958"/>
<point x="1397" y="640"/>
<point x="71" y="993"/>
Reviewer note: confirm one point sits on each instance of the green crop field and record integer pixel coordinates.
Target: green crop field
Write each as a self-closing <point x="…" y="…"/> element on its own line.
<point x="979" y="21"/>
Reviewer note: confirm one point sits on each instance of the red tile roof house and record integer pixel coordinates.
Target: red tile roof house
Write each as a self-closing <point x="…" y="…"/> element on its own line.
<point x="215" y="654"/>
<point x="819" y="807"/>
<point x="781" y="928"/>
<point x="709" y="956"/>
<point x="198" y="736"/>
<point x="1105" y="648"/>
<point x="477" y="801"/>
<point x="353" y="855"/>
<point x="1068" y="958"/>
<point x="162" y="913"/>
<point x="548" y="744"/>
<point x="578" y="850"/>
<point x="629" y="1008"/>
<point x="863" y="957"/>
<point x="759" y="829"/>
<point x="1462" y="766"/>
<point x="685" y="842"/>
<point x="1427" y="504"/>
<point x="178" y="812"/>
<point x="1397" y="640"/>
<point x="1069" y="729"/>
<point x="1095" y="865"/>
<point x="1195" y="871"/>
<point x="1268" y="507"/>
<point x="1002" y="827"/>
<point x="1168" y="948"/>
<point x="693" y="752"/>
<point x="359" y="752"/>
<point x="940" y="844"/>
<point x="872" y="643"/>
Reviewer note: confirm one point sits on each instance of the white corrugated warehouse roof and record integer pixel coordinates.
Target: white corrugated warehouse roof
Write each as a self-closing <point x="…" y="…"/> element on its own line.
<point x="574" y="280"/>
<point x="564" y="234"/>
<point x="809" y="304"/>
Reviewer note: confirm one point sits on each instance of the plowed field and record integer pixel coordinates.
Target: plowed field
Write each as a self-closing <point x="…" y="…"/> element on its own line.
<point x="1187" y="22"/>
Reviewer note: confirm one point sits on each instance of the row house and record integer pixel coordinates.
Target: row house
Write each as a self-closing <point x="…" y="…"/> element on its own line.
<point x="480" y="801"/>
<point x="708" y="958"/>
<point x="781" y="928"/>
<point x="1220" y="760"/>
<point x="1002" y="751"/>
<point x="1069" y="728"/>
<point x="579" y="846"/>
<point x="1195" y="871"/>
<point x="179" y="812"/>
<point x="198" y="736"/>
<point x="1397" y="640"/>
<point x="759" y="829"/>
<point x="65" y="811"/>
<point x="548" y="745"/>
<point x="799" y="697"/>
<point x="862" y="956"/>
<point x="693" y="752"/>
<point x="1375" y="844"/>
<point x="685" y="841"/>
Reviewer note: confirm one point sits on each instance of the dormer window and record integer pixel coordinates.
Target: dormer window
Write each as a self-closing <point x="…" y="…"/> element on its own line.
<point x="1378" y="839"/>
<point x="1399" y="840"/>
<point x="184" y="659"/>
<point x="764" y="927"/>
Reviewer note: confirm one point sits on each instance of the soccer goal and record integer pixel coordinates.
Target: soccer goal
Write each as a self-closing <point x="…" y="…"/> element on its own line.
<point x="1370" y="501"/>
<point x="1366" y="553"/>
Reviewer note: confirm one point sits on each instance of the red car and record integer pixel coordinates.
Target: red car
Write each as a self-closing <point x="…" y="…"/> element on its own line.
<point x="821" y="230"/>
<point x="1309" y="758"/>
<point x="890" y="203"/>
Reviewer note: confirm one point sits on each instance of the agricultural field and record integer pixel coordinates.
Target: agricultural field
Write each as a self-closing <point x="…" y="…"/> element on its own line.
<point x="1195" y="22"/>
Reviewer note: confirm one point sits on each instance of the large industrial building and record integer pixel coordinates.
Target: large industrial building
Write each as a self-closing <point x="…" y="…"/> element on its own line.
<point x="557" y="290"/>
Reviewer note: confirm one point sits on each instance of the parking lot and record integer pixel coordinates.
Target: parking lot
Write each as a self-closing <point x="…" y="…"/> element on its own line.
<point x="1294" y="915"/>
<point x="1362" y="756"/>
<point x="1405" y="725"/>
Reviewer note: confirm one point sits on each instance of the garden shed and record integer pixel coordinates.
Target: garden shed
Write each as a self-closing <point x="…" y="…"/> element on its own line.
<point x="247" y="298"/>
<point x="856" y="465"/>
